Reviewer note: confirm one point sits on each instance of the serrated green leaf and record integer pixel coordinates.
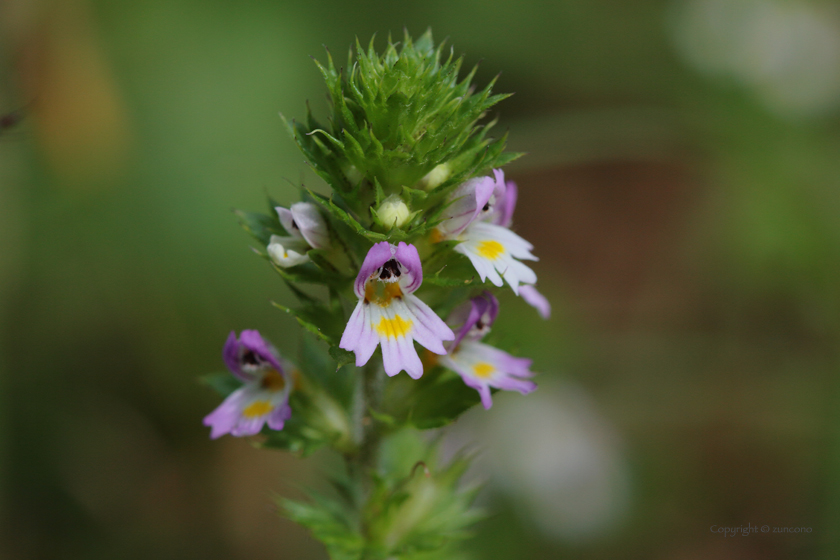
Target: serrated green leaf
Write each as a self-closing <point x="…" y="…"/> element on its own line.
<point x="260" y="226"/>
<point x="342" y="357"/>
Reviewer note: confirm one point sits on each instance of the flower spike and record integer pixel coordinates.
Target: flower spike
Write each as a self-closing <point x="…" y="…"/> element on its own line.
<point x="389" y="314"/>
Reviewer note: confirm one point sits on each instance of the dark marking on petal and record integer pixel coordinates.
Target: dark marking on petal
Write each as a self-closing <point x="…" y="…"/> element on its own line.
<point x="390" y="269"/>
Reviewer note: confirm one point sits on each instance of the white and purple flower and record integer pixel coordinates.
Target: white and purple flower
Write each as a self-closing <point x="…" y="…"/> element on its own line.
<point x="307" y="230"/>
<point x="479" y="217"/>
<point x="264" y="397"/>
<point x="481" y="366"/>
<point x="389" y="314"/>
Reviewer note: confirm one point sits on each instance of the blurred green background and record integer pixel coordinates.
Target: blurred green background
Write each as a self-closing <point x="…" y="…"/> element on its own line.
<point x="682" y="189"/>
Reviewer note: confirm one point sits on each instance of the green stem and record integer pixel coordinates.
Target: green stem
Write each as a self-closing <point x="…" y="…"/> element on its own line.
<point x="362" y="463"/>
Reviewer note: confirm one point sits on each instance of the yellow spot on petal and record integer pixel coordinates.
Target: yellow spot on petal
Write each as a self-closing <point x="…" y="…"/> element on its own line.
<point x="273" y="381"/>
<point x="393" y="328"/>
<point x="490" y="249"/>
<point x="257" y="408"/>
<point x="483" y="369"/>
<point x="436" y="236"/>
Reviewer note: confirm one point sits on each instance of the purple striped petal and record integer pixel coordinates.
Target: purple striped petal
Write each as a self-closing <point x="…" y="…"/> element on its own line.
<point x="503" y="215"/>
<point x="468" y="201"/>
<point x="354" y="329"/>
<point x="483" y="309"/>
<point x="407" y="256"/>
<point x="378" y="255"/>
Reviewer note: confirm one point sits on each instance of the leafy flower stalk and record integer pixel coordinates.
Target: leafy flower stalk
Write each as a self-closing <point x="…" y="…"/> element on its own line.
<point x="393" y="272"/>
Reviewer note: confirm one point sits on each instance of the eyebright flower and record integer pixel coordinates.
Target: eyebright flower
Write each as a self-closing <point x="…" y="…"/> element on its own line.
<point x="388" y="313"/>
<point x="307" y="230"/>
<point x="481" y="366"/>
<point x="264" y="397"/>
<point x="479" y="216"/>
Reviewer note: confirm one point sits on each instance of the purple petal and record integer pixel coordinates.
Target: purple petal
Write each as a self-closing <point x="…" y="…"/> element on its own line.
<point x="505" y="362"/>
<point x="484" y="308"/>
<point x="248" y="426"/>
<point x="390" y="356"/>
<point x="230" y="354"/>
<point x="277" y="418"/>
<point x="378" y="255"/>
<point x="514" y="384"/>
<point x="288" y="220"/>
<point x="354" y="329"/>
<point x="429" y="319"/>
<point x="226" y="415"/>
<point x="311" y="224"/>
<point x="406" y="254"/>
<point x="253" y="341"/>
<point x="505" y="208"/>
<point x="468" y="200"/>
<point x="473" y="315"/>
<point x="369" y="340"/>
<point x="486" y="399"/>
<point x="411" y="361"/>
<point x="534" y="298"/>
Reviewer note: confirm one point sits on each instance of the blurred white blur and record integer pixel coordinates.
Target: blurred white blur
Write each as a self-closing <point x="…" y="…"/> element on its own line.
<point x="553" y="455"/>
<point x="786" y="51"/>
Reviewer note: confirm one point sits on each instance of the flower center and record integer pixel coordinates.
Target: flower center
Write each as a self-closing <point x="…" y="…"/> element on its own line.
<point x="381" y="293"/>
<point x="390" y="271"/>
<point x="490" y="249"/>
<point x="273" y="381"/>
<point x="250" y="358"/>
<point x="483" y="369"/>
<point x="257" y="408"/>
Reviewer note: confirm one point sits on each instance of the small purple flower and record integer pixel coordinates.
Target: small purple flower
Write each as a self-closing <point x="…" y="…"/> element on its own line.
<point x="481" y="366"/>
<point x="307" y="229"/>
<point x="389" y="314"/>
<point x="478" y="217"/>
<point x="264" y="397"/>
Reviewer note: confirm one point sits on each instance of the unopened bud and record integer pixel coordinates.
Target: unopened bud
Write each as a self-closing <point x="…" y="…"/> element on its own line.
<point x="393" y="212"/>
<point x="436" y="176"/>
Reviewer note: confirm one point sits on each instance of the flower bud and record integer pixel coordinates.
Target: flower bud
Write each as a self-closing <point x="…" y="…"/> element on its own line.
<point x="436" y="176"/>
<point x="393" y="212"/>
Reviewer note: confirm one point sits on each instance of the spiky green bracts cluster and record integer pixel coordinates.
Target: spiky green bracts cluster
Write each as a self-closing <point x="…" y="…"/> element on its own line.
<point x="403" y="124"/>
